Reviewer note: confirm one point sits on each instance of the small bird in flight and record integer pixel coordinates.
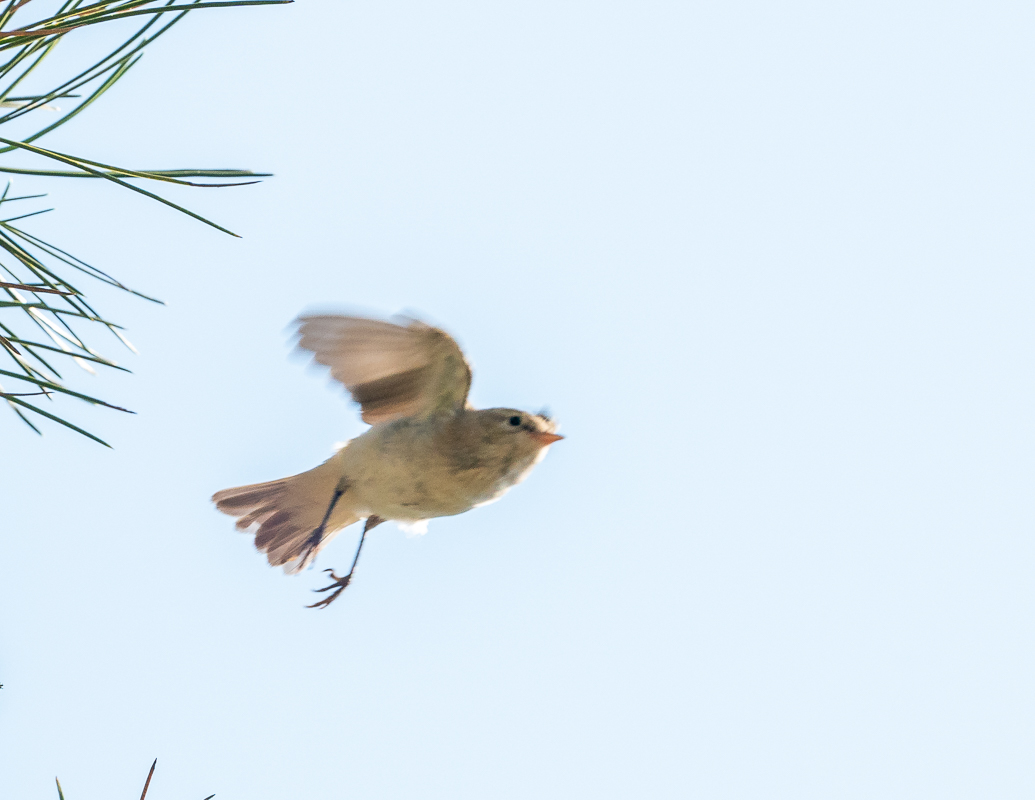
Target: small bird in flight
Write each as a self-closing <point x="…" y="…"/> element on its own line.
<point x="427" y="453"/>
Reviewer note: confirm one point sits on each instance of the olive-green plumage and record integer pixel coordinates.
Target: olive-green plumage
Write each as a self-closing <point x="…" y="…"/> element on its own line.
<point x="427" y="454"/>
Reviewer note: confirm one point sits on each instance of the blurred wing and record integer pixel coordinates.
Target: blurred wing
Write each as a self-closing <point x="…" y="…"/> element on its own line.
<point x="390" y="370"/>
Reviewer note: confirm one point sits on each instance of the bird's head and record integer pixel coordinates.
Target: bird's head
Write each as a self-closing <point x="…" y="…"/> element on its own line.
<point x="520" y="433"/>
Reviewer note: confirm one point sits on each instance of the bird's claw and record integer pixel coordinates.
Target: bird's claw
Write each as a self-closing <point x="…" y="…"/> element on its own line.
<point x="339" y="585"/>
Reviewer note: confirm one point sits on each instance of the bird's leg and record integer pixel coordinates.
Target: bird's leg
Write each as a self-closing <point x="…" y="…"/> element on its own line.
<point x="339" y="584"/>
<point x="316" y="538"/>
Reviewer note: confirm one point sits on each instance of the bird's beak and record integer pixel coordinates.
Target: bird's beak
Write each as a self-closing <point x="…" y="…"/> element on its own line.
<point x="545" y="439"/>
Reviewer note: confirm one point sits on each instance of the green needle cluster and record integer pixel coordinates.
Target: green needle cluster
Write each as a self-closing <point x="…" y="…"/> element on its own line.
<point x="41" y="307"/>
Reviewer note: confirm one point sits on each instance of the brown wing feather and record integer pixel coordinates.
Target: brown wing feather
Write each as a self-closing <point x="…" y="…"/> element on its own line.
<point x="391" y="370"/>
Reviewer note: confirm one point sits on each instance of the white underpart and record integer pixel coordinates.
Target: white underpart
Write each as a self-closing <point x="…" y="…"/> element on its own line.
<point x="412" y="527"/>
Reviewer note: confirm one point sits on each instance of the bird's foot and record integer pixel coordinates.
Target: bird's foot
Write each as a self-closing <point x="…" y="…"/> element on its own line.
<point x="338" y="585"/>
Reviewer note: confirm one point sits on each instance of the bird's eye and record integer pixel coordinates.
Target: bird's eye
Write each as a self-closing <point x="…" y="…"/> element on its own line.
<point x="515" y="421"/>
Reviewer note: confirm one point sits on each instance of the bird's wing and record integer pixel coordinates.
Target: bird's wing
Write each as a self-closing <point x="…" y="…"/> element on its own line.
<point x="391" y="370"/>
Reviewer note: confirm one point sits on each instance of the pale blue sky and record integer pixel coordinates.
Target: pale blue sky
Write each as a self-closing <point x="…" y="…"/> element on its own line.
<point x="770" y="264"/>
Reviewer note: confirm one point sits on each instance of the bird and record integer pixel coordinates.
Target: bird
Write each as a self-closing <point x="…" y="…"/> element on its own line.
<point x="427" y="453"/>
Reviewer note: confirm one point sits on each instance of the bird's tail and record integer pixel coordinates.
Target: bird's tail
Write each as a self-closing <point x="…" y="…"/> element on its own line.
<point x="285" y="514"/>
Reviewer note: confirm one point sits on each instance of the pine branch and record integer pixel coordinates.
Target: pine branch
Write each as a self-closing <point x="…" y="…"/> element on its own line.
<point x="41" y="311"/>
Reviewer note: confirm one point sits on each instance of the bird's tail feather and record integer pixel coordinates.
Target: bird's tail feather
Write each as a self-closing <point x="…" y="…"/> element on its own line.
<point x="284" y="514"/>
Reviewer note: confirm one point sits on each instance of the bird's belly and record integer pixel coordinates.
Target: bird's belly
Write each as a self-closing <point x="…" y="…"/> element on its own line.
<point x="414" y="498"/>
<point x="408" y="493"/>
